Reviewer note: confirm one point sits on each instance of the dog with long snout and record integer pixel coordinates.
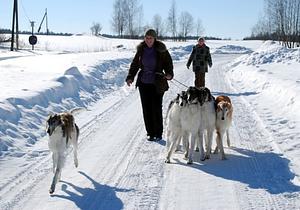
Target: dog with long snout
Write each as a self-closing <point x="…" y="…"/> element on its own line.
<point x="62" y="131"/>
<point x="193" y="119"/>
<point x="224" y="112"/>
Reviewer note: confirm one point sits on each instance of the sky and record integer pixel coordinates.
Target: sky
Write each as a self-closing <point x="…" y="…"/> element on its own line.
<point x="220" y="18"/>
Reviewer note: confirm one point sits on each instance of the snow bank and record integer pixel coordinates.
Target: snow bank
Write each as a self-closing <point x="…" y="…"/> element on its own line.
<point x="232" y="49"/>
<point x="271" y="52"/>
<point x="272" y="74"/>
<point x="23" y="118"/>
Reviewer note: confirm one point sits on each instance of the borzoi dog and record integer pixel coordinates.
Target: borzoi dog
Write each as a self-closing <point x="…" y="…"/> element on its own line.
<point x="173" y="122"/>
<point x="207" y="121"/>
<point x="224" y="112"/>
<point x="62" y="132"/>
<point x="193" y="120"/>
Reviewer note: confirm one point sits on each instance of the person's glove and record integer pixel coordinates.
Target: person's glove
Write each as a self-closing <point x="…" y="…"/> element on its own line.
<point x="210" y="65"/>
<point x="168" y="76"/>
<point x="187" y="66"/>
<point x="129" y="82"/>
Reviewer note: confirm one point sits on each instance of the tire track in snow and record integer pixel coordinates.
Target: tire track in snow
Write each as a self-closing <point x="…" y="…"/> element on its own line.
<point x="265" y="171"/>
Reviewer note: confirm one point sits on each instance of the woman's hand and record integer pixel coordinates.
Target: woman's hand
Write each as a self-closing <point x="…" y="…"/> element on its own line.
<point x="168" y="76"/>
<point x="129" y="82"/>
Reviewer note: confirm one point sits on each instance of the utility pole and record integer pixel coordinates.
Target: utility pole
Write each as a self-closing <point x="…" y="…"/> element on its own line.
<point x="32" y="30"/>
<point x="47" y="22"/>
<point x="15" y="22"/>
<point x="45" y="16"/>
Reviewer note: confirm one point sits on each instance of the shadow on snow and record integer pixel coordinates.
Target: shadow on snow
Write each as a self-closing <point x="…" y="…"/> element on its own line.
<point x="269" y="171"/>
<point x="98" y="197"/>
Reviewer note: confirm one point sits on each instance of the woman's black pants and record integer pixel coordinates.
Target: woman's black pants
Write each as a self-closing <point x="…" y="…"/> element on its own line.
<point x="152" y="109"/>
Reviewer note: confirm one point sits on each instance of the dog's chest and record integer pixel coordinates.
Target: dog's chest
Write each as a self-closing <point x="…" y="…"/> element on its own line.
<point x="57" y="141"/>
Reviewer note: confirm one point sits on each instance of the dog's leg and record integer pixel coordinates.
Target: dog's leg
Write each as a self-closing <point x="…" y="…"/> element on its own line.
<point x="221" y="145"/>
<point x="219" y="139"/>
<point x="54" y="160"/>
<point x="185" y="143"/>
<point x="168" y="136"/>
<point x="197" y="144"/>
<point x="57" y="173"/>
<point x="208" y="143"/>
<point x="171" y="149"/>
<point x="228" y="139"/>
<point x="200" y="143"/>
<point x="178" y="146"/>
<point x="216" y="148"/>
<point x="54" y="180"/>
<point x="75" y="154"/>
<point x="191" y="149"/>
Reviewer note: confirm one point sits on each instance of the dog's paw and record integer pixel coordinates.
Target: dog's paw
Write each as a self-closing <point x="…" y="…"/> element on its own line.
<point x="190" y="161"/>
<point x="76" y="163"/>
<point x="51" y="191"/>
<point x="223" y="157"/>
<point x="202" y="158"/>
<point x="167" y="161"/>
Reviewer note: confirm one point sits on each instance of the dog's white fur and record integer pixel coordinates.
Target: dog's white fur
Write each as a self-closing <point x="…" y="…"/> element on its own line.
<point x="60" y="138"/>
<point x="189" y="122"/>
<point x="174" y="127"/>
<point x="207" y="124"/>
<point x="223" y="122"/>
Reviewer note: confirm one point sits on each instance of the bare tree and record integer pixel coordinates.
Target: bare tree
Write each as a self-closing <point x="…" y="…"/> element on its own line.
<point x="118" y="19"/>
<point x="96" y="29"/>
<point x="186" y="24"/>
<point x="172" y="20"/>
<point x="199" y="28"/>
<point x="132" y="10"/>
<point x="140" y="28"/>
<point x="283" y="17"/>
<point x="157" y="24"/>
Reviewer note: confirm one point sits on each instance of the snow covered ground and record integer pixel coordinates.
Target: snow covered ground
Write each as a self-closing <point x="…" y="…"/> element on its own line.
<point x="118" y="169"/>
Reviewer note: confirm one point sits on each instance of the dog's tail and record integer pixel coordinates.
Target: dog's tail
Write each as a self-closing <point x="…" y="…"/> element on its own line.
<point x="77" y="110"/>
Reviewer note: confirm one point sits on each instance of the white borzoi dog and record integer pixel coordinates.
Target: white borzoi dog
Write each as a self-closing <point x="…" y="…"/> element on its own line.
<point x="224" y="118"/>
<point x="207" y="121"/>
<point x="191" y="121"/>
<point x="62" y="132"/>
<point x="173" y="123"/>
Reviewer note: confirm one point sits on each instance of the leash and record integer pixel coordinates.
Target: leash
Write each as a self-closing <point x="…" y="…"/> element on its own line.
<point x="162" y="74"/>
<point x="179" y="83"/>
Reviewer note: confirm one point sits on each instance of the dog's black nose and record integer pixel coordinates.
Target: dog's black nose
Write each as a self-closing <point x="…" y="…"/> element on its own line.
<point x="223" y="118"/>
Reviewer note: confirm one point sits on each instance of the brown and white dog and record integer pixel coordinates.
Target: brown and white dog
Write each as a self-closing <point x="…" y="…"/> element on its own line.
<point x="224" y="112"/>
<point x="62" y="131"/>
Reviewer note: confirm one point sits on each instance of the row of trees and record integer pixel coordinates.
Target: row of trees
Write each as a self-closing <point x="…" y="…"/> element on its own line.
<point x="127" y="20"/>
<point x="281" y="21"/>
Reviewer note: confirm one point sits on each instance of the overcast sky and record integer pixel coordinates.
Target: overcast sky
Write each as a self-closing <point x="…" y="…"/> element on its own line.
<point x="220" y="18"/>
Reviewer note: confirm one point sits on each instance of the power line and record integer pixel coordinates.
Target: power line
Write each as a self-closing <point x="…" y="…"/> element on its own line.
<point x="25" y="13"/>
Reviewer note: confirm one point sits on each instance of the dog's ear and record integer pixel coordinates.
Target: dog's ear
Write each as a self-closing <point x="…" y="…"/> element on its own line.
<point x="219" y="107"/>
<point x="47" y="122"/>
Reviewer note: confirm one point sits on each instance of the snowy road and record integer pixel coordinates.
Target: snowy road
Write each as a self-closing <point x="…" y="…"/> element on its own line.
<point x="119" y="169"/>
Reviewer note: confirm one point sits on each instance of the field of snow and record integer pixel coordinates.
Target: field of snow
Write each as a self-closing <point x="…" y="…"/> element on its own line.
<point x="118" y="169"/>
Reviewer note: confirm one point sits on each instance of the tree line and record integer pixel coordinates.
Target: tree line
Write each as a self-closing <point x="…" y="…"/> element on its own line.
<point x="127" y="21"/>
<point x="280" y="22"/>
